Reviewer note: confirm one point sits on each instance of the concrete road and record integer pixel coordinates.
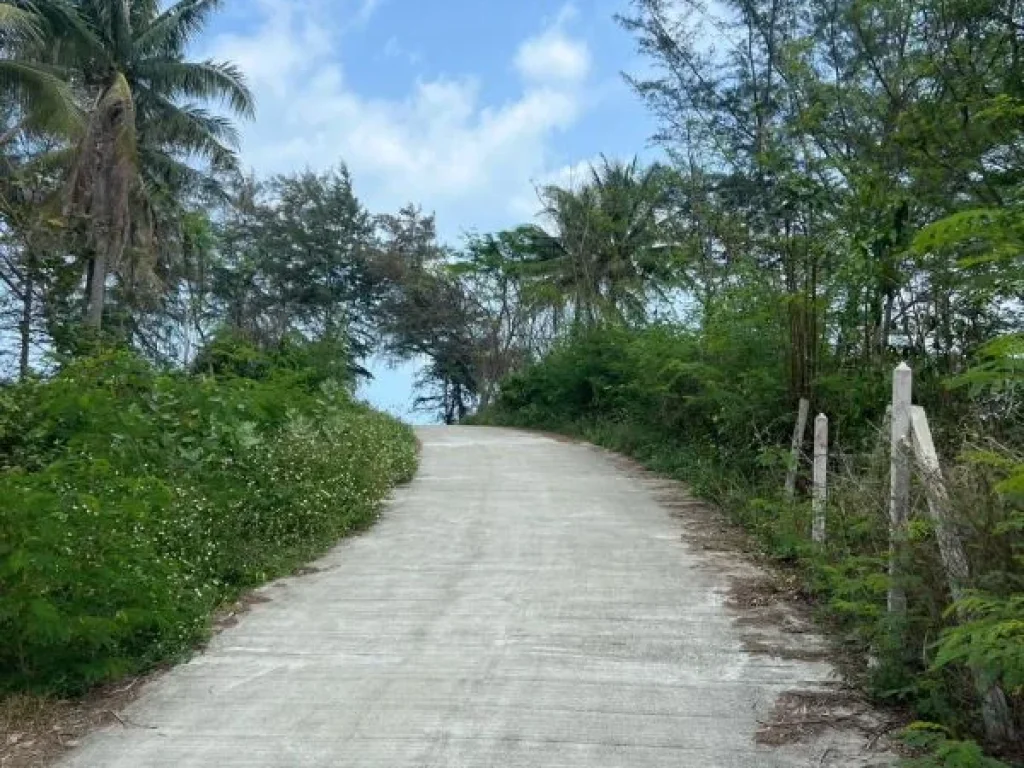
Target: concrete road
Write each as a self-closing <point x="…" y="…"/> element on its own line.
<point x="525" y="602"/>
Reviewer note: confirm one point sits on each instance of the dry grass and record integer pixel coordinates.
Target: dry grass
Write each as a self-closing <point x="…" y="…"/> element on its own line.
<point x="35" y="731"/>
<point x="801" y="716"/>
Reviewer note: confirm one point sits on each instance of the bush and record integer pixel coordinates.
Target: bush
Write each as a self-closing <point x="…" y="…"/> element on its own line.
<point x="937" y="750"/>
<point x="134" y="502"/>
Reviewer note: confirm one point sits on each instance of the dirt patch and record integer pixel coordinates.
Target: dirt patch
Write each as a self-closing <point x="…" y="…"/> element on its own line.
<point x="36" y="731"/>
<point x="774" y="619"/>
<point x="230" y="615"/>
<point x="707" y="529"/>
<point x="560" y="438"/>
<point x="756" y="591"/>
<point x="772" y="648"/>
<point x="801" y="716"/>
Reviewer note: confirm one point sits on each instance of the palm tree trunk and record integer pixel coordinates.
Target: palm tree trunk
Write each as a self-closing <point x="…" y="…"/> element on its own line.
<point x="96" y="290"/>
<point x="25" y="326"/>
<point x="102" y="184"/>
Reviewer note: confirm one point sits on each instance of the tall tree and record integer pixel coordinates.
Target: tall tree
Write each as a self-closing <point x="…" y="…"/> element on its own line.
<point x="426" y="314"/>
<point x="296" y="257"/>
<point x="603" y="246"/>
<point x="146" y="124"/>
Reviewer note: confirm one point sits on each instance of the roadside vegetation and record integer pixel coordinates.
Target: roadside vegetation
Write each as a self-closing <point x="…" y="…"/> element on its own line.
<point x="137" y="501"/>
<point x="721" y="423"/>
<point x="180" y="346"/>
<point x="840" y="189"/>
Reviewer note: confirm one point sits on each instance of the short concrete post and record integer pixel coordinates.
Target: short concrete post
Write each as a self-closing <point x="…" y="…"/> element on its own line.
<point x="899" y="483"/>
<point x="820" y="478"/>
<point x="794" y="453"/>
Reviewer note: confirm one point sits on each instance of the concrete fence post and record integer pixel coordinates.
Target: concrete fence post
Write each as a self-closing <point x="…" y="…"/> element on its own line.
<point x="899" y="483"/>
<point x="820" y="478"/>
<point x="794" y="452"/>
<point x="994" y="706"/>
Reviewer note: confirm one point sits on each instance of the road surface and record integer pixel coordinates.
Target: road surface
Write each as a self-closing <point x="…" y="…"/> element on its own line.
<point x="524" y="602"/>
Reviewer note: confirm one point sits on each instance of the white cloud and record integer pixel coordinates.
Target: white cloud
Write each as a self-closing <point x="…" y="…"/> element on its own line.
<point x="440" y="145"/>
<point x="277" y="53"/>
<point x="553" y="57"/>
<point x="367" y="9"/>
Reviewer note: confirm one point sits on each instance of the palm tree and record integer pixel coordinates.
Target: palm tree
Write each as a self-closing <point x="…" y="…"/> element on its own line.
<point x="147" y="135"/>
<point x="146" y="123"/>
<point x="602" y="250"/>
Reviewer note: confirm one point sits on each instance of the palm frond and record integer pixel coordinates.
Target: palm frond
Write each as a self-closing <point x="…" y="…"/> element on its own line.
<point x="167" y="177"/>
<point x="205" y="81"/>
<point x="46" y="99"/>
<point x="53" y="163"/>
<point x="219" y="127"/>
<point x="193" y="131"/>
<point x="76" y="31"/>
<point x="121" y="27"/>
<point x="18" y="24"/>
<point x="99" y="16"/>
<point x="170" y="32"/>
<point x="143" y="13"/>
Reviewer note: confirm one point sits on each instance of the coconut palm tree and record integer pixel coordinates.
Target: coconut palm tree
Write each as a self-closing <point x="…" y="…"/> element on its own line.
<point x="147" y="134"/>
<point x="602" y="248"/>
<point x="147" y="124"/>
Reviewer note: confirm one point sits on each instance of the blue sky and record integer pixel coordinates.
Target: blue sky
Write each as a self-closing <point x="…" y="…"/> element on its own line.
<point x="460" y="106"/>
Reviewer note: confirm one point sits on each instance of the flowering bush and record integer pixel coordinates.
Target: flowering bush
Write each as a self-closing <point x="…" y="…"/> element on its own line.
<point x="133" y="503"/>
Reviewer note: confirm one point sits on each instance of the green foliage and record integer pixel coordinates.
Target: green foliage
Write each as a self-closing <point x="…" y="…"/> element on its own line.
<point x="999" y="366"/>
<point x="231" y="353"/>
<point x="427" y="314"/>
<point x="991" y="640"/>
<point x="134" y="502"/>
<point x="943" y="752"/>
<point x="606" y="253"/>
<point x="292" y="261"/>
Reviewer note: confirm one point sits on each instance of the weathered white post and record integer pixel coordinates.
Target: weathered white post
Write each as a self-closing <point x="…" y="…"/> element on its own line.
<point x="994" y="706"/>
<point x="954" y="558"/>
<point x="899" y="483"/>
<point x="794" y="452"/>
<point x="820" y="478"/>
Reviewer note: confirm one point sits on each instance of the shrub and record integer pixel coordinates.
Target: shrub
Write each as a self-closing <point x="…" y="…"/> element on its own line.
<point x="941" y="751"/>
<point x="134" y="502"/>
